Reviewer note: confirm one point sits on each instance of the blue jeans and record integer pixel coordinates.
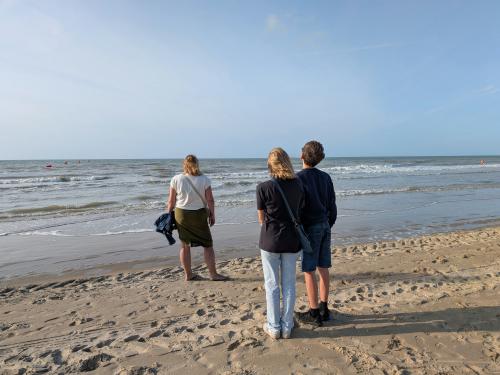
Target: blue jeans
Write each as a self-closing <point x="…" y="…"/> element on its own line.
<point x="272" y="264"/>
<point x="320" y="238"/>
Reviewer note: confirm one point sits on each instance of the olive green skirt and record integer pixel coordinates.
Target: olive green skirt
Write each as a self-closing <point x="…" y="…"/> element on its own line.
<point x="193" y="228"/>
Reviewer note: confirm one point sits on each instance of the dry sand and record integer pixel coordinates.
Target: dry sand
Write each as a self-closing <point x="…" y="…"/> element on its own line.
<point x="427" y="305"/>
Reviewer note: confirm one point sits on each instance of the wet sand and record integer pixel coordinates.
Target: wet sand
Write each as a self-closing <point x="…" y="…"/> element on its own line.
<point x="426" y="305"/>
<point x="22" y="256"/>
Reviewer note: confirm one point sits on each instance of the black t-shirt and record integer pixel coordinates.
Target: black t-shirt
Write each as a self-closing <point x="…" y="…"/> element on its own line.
<point x="278" y="234"/>
<point x="320" y="203"/>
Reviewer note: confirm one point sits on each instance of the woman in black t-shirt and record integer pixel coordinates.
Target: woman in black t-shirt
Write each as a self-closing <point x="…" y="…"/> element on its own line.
<point x="279" y="242"/>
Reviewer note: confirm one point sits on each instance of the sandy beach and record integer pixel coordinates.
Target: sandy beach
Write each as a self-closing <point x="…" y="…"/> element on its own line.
<point x="380" y="119"/>
<point x="426" y="305"/>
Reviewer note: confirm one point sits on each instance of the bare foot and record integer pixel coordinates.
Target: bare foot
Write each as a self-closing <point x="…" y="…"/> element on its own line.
<point x="193" y="277"/>
<point x="218" y="277"/>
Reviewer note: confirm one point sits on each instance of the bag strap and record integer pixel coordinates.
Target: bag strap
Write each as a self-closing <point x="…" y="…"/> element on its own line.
<point x="196" y="191"/>
<point x="292" y="216"/>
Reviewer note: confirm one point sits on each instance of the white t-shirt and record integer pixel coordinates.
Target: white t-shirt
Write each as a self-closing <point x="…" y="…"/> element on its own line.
<point x="187" y="199"/>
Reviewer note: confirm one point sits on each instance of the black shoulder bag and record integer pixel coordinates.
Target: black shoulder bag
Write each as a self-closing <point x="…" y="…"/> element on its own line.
<point x="304" y="240"/>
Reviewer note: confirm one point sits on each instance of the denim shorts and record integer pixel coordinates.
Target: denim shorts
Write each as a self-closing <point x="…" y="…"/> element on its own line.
<point x="320" y="238"/>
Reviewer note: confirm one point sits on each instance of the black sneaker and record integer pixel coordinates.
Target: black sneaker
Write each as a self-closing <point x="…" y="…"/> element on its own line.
<point x="309" y="317"/>
<point x="324" y="313"/>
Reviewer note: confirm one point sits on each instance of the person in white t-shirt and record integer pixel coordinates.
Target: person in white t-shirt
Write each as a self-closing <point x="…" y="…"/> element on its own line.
<point x="191" y="197"/>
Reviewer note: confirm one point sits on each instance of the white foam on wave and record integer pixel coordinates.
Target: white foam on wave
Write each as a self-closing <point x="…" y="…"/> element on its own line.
<point x="57" y="233"/>
<point x="414" y="189"/>
<point x="48" y="179"/>
<point x="42" y="233"/>
<point x="234" y="202"/>
<point x="110" y="233"/>
<point x="390" y="168"/>
<point x="240" y="175"/>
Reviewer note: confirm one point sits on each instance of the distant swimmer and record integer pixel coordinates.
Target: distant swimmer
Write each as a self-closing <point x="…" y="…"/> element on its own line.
<point x="48" y="166"/>
<point x="482" y="162"/>
<point x="65" y="162"/>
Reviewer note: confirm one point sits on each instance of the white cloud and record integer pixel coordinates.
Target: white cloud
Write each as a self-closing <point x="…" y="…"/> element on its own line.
<point x="485" y="90"/>
<point x="488" y="90"/>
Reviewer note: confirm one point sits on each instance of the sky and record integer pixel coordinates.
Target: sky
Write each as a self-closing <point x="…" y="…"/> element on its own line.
<point x="161" y="79"/>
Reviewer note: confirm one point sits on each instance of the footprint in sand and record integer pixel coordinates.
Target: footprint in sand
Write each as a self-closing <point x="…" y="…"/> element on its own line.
<point x="245" y="317"/>
<point x="155" y="333"/>
<point x="394" y="343"/>
<point x="104" y="343"/>
<point x="200" y="312"/>
<point x="92" y="363"/>
<point x="77" y="347"/>
<point x="233" y="345"/>
<point x="80" y="321"/>
<point x="131" y="338"/>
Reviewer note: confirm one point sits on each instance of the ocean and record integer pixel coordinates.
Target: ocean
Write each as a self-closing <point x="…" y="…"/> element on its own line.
<point x="378" y="198"/>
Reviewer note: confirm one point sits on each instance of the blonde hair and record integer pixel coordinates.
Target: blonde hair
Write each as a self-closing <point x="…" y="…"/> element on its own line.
<point x="191" y="165"/>
<point x="279" y="164"/>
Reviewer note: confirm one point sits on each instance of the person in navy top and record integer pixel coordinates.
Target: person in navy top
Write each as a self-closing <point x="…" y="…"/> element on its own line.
<point x="317" y="216"/>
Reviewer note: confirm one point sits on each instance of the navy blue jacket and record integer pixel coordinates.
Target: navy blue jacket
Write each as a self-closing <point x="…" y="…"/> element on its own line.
<point x="166" y="224"/>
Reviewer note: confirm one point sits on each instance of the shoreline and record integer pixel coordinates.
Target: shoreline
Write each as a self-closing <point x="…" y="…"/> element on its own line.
<point x="426" y="304"/>
<point x="59" y="256"/>
<point x="133" y="245"/>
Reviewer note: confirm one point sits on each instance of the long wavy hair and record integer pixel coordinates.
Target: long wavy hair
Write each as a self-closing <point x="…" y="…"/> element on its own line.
<point x="279" y="164"/>
<point x="191" y="165"/>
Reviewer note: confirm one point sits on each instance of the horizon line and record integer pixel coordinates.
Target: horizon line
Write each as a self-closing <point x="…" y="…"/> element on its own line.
<point x="246" y="158"/>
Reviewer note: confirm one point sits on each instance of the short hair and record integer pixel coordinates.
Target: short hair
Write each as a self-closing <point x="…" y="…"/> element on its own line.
<point x="313" y="153"/>
<point x="279" y="164"/>
<point x="191" y="165"/>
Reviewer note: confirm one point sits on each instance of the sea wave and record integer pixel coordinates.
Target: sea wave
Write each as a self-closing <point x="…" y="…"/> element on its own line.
<point x="52" y="209"/>
<point x="234" y="202"/>
<point x="240" y="175"/>
<point x="238" y="183"/>
<point x="146" y="198"/>
<point x="48" y="179"/>
<point x="57" y="233"/>
<point x="145" y="205"/>
<point x="153" y="181"/>
<point x="111" y="233"/>
<point x="358" y="171"/>
<point x="407" y="169"/>
<point x="417" y="189"/>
